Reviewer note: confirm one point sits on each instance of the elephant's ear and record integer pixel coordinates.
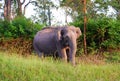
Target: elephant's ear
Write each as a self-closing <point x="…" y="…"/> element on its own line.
<point x="61" y="34"/>
<point x="58" y="35"/>
<point x="62" y="38"/>
<point x="78" y="31"/>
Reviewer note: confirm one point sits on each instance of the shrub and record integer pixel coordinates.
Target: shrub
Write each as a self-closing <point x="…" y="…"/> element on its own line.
<point x="25" y="27"/>
<point x="19" y="27"/>
<point x="16" y="35"/>
<point x="5" y="29"/>
<point x="104" y="32"/>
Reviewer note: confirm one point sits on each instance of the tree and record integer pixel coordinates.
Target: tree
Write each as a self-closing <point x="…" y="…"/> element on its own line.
<point x="18" y="4"/>
<point x="0" y="5"/>
<point x="105" y="4"/>
<point x="85" y="22"/>
<point x="116" y="5"/>
<point x="7" y="10"/>
<point x="75" y="5"/>
<point x="77" y="8"/>
<point x="30" y="1"/>
<point x="43" y="12"/>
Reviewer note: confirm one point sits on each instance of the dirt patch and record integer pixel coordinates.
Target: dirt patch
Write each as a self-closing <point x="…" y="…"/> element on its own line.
<point x="91" y="59"/>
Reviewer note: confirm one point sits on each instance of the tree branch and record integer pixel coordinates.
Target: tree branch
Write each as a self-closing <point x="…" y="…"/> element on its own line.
<point x="23" y="2"/>
<point x="28" y="4"/>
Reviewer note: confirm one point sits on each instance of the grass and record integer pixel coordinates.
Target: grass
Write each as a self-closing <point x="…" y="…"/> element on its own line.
<point x="18" y="68"/>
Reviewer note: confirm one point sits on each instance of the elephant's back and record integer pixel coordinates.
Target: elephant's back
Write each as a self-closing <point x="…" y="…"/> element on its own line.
<point x="45" y="41"/>
<point x="44" y="34"/>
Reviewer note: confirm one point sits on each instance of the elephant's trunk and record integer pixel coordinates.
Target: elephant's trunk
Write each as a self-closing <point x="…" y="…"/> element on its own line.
<point x="72" y="52"/>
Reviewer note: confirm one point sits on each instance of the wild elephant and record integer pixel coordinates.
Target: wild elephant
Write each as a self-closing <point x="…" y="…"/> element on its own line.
<point x="60" y="39"/>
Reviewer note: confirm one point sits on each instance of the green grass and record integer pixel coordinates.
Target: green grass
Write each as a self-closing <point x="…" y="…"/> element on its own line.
<point x="18" y="68"/>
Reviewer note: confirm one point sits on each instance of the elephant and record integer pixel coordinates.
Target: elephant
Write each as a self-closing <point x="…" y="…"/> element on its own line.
<point x="61" y="39"/>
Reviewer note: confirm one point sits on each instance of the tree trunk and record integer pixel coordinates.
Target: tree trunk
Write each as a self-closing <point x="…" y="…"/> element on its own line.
<point x="44" y="13"/>
<point x="7" y="10"/>
<point x="19" y="12"/>
<point x="85" y="22"/>
<point x="49" y="15"/>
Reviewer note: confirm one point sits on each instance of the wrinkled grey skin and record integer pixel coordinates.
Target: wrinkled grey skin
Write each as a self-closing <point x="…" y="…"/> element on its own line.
<point x="57" y="39"/>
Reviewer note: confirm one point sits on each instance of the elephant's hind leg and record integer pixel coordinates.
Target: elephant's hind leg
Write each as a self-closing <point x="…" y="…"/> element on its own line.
<point x="40" y="54"/>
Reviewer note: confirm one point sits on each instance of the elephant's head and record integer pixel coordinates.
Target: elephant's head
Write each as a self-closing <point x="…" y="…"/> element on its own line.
<point x="67" y="32"/>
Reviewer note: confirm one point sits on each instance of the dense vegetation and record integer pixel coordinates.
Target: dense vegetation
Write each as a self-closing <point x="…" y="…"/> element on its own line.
<point x="31" y="68"/>
<point x="19" y="27"/>
<point x="102" y="32"/>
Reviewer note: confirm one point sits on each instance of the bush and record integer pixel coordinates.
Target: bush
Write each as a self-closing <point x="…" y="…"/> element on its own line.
<point x="5" y="29"/>
<point x="15" y="36"/>
<point x="101" y="33"/>
<point x="19" y="27"/>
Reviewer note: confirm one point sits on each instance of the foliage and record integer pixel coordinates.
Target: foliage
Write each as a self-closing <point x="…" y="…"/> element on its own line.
<point x="104" y="32"/>
<point x="19" y="27"/>
<point x="104" y="6"/>
<point x="95" y="8"/>
<point x="14" y="67"/>
<point x="74" y="8"/>
<point x="43" y="11"/>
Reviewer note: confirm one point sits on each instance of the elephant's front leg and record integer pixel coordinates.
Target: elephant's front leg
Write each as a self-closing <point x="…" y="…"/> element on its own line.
<point x="72" y="57"/>
<point x="63" y="54"/>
